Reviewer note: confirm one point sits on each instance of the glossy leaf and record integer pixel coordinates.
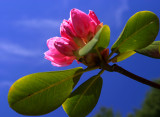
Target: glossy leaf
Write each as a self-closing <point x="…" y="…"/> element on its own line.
<point x="153" y="50"/>
<point x="41" y="93"/>
<point x="139" y="32"/>
<point x="82" y="101"/>
<point x="100" y="41"/>
<point x="104" y="38"/>
<point x="123" y="56"/>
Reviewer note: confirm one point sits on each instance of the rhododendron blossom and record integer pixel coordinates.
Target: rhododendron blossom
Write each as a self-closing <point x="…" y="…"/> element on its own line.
<point x="76" y="32"/>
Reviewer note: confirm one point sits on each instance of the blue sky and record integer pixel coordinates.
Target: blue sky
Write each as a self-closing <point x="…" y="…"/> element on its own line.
<point x="25" y="25"/>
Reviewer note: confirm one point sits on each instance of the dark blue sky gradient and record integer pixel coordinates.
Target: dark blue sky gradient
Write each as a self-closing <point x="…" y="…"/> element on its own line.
<point x="25" y="25"/>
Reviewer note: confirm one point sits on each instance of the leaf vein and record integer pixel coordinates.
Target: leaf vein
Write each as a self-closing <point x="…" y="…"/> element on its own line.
<point x="52" y="85"/>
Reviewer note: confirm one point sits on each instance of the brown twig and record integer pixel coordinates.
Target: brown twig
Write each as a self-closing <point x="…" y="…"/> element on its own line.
<point x="116" y="68"/>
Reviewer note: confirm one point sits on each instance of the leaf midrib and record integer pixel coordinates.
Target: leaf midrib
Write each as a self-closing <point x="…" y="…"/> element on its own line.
<point x="84" y="93"/>
<point x="124" y="40"/>
<point x="52" y="85"/>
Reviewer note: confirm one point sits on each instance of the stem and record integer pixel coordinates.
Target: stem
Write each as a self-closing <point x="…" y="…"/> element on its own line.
<point x="110" y="55"/>
<point x="90" y="68"/>
<point x="100" y="72"/>
<point x="99" y="55"/>
<point x="116" y="68"/>
<point x="110" y="60"/>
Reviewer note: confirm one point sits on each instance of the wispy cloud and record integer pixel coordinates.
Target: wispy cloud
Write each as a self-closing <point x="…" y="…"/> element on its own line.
<point x="38" y="23"/>
<point x="120" y="10"/>
<point x="11" y="48"/>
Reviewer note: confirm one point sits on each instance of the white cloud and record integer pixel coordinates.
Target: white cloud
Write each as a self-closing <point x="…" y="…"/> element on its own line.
<point x="11" y="48"/>
<point x="120" y="10"/>
<point x="38" y="23"/>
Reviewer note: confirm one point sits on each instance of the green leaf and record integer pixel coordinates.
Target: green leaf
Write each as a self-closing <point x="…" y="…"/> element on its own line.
<point x="123" y="56"/>
<point x="41" y="93"/>
<point x="82" y="101"/>
<point x="100" y="40"/>
<point x="139" y="32"/>
<point x="153" y="50"/>
<point x="104" y="38"/>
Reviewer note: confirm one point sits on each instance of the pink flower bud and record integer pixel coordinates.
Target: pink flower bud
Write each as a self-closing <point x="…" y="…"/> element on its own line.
<point x="67" y="30"/>
<point x="83" y="24"/>
<point x="59" y="48"/>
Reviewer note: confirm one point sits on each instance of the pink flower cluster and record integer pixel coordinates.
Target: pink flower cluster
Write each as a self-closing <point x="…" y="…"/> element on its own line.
<point x="75" y="33"/>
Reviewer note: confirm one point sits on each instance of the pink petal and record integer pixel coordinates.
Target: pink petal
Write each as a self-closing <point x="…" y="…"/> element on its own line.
<point x="50" y="42"/>
<point x="94" y="17"/>
<point x="66" y="29"/>
<point x="65" y="46"/>
<point x="58" y="59"/>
